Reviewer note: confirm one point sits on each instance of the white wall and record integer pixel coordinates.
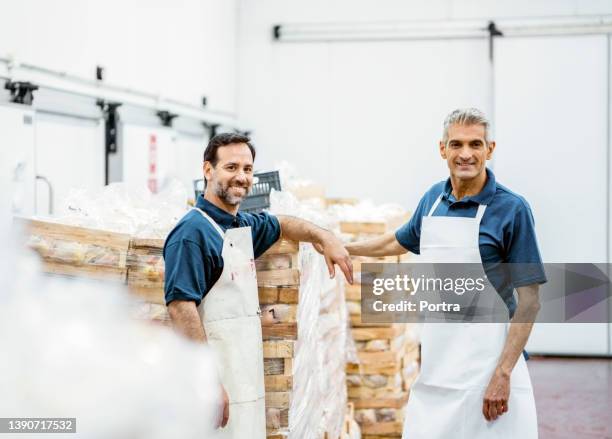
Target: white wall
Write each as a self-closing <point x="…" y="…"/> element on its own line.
<point x="69" y="154"/>
<point x="563" y="93"/>
<point x="17" y="171"/>
<point x="182" y="49"/>
<point x="363" y="119"/>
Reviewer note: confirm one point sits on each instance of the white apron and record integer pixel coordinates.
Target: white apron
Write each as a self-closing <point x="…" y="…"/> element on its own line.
<point x="230" y="316"/>
<point x="458" y="359"/>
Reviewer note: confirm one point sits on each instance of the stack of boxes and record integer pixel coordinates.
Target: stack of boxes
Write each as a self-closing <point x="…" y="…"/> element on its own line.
<point x="388" y="354"/>
<point x="77" y="251"/>
<point x="278" y="279"/>
<point x="145" y="279"/>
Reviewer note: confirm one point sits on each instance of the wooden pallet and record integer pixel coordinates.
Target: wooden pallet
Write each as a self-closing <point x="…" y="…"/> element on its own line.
<point x="278" y="279"/>
<point x="77" y="251"/>
<point x="394" y="428"/>
<point x="396" y="401"/>
<point x="375" y="416"/>
<point x="145" y="277"/>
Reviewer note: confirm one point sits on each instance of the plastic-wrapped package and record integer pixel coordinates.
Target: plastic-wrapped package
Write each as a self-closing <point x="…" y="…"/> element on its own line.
<point x="71" y="349"/>
<point x="115" y="209"/>
<point x="302" y="188"/>
<point x="367" y="211"/>
<point x="319" y="400"/>
<point x="318" y="403"/>
<point x="285" y="203"/>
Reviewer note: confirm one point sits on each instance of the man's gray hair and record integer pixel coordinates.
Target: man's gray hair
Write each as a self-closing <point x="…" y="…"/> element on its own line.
<point x="466" y="116"/>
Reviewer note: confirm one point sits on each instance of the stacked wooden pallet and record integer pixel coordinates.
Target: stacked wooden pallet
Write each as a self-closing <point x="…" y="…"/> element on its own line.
<point x="77" y="251"/>
<point x="145" y="279"/>
<point x="278" y="284"/>
<point x="379" y="383"/>
<point x="100" y="255"/>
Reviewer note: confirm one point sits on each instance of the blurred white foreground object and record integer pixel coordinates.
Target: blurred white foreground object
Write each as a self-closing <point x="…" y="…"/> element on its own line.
<point x="70" y="349"/>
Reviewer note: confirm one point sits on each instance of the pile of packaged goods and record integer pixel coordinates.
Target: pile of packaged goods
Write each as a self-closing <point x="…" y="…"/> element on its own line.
<point x="304" y="318"/>
<point x="304" y="329"/>
<point x="388" y="354"/>
<point x="112" y="235"/>
<point x="78" y="251"/>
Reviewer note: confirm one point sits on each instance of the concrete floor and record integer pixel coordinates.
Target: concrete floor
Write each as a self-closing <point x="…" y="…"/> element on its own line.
<point x="573" y="397"/>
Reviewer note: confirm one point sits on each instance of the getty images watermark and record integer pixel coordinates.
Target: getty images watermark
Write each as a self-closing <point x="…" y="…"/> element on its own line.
<point x="484" y="293"/>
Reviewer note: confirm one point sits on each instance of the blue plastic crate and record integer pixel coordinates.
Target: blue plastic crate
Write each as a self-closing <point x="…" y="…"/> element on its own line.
<point x="259" y="197"/>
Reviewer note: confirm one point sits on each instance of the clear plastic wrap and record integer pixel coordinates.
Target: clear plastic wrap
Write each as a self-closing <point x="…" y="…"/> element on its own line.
<point x="319" y="397"/>
<point x="114" y="208"/>
<point x="319" y="401"/>
<point x="71" y="348"/>
<point x="285" y="203"/>
<point x="367" y="211"/>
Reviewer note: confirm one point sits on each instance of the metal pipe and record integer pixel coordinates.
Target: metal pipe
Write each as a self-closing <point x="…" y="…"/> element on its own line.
<point x="50" y="191"/>
<point x="66" y="83"/>
<point x="68" y="115"/>
<point x="439" y="30"/>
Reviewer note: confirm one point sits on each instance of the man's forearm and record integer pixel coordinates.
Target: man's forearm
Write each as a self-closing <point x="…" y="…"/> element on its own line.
<point x="520" y="328"/>
<point x="385" y="245"/>
<point x="324" y="241"/>
<point x="185" y="318"/>
<point x="297" y="229"/>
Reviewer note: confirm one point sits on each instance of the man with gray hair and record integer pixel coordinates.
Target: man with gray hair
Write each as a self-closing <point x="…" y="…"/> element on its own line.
<point x="474" y="381"/>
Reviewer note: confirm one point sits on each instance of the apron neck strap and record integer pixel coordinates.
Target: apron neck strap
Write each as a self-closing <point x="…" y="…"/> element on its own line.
<point x="212" y="222"/>
<point x="479" y="213"/>
<point x="433" y="208"/>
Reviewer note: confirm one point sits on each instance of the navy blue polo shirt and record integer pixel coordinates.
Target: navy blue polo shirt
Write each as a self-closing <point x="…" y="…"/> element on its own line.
<point x="507" y="233"/>
<point x="192" y="251"/>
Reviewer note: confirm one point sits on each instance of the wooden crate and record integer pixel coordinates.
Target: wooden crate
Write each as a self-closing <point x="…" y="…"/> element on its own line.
<point x="378" y="384"/>
<point x="393" y="428"/>
<point x="278" y="288"/>
<point x="373" y="416"/>
<point x="146" y="270"/>
<point x="77" y="251"/>
<point x="278" y="266"/>
<point x="308" y="192"/>
<point x="395" y="401"/>
<point x="359" y="228"/>
<point x="340" y="201"/>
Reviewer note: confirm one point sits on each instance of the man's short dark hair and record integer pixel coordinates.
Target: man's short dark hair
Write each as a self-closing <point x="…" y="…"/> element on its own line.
<point x="224" y="139"/>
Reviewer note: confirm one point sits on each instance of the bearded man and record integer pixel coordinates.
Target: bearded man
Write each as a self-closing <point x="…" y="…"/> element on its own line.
<point x="211" y="283"/>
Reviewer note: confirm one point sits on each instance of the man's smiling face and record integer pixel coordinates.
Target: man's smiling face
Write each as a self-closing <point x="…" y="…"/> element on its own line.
<point x="466" y="151"/>
<point x="232" y="176"/>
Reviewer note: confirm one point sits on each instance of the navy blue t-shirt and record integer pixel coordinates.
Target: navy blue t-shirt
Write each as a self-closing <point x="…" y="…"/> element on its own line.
<point x="507" y="233"/>
<point x="192" y="251"/>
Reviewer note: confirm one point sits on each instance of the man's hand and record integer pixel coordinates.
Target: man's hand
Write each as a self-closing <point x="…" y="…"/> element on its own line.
<point x="324" y="241"/>
<point x="496" y="396"/>
<point x="334" y="252"/>
<point x="223" y="409"/>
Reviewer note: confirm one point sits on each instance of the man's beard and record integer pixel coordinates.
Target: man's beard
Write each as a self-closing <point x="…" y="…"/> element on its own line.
<point x="223" y="192"/>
